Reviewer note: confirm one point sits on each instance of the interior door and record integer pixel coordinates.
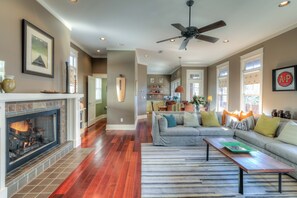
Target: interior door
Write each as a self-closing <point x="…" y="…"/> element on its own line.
<point x="91" y="100"/>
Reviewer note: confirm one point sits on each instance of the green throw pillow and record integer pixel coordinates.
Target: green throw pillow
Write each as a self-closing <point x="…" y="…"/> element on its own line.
<point x="267" y="126"/>
<point x="170" y="120"/>
<point x="209" y="119"/>
<point x="289" y="133"/>
<point x="191" y="120"/>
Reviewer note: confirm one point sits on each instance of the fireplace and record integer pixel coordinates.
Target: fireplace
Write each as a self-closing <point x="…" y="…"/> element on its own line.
<point x="30" y="135"/>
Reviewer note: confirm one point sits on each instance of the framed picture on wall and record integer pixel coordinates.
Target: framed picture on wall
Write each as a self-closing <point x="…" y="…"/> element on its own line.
<point x="284" y="79"/>
<point x="152" y="80"/>
<point x="161" y="80"/>
<point x="38" y="51"/>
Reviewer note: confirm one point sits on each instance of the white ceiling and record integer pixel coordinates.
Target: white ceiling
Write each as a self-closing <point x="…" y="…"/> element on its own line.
<point x="138" y="24"/>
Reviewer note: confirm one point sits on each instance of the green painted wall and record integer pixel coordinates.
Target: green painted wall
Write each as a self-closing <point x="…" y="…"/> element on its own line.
<point x="100" y="107"/>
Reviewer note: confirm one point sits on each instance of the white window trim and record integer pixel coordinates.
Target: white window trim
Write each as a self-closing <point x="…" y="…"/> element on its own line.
<point x="256" y="54"/>
<point x="219" y="67"/>
<point x="188" y="81"/>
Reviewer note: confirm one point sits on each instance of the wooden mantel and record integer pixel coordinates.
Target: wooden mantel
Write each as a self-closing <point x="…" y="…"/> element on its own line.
<point x="73" y="128"/>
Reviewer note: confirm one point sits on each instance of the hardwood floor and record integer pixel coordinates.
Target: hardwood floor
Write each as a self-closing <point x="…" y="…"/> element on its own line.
<point x="113" y="169"/>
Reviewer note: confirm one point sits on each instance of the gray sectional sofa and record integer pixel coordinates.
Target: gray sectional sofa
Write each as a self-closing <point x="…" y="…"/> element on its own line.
<point x="190" y="136"/>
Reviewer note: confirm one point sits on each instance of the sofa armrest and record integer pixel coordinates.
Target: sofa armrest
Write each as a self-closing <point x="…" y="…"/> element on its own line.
<point x="155" y="129"/>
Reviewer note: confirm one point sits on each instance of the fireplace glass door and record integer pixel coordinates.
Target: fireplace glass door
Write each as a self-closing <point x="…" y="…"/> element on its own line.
<point x="30" y="135"/>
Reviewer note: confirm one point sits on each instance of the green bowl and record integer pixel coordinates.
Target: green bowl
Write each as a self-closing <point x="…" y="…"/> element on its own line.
<point x="237" y="147"/>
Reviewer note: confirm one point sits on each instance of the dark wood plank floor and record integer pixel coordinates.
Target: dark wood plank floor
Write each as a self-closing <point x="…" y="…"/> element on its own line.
<point x="113" y="169"/>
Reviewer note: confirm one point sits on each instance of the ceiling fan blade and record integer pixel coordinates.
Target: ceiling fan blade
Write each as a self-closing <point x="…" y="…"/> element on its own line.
<point x="179" y="26"/>
<point x="207" y="38"/>
<point x="169" y="39"/>
<point x="184" y="44"/>
<point x="212" y="26"/>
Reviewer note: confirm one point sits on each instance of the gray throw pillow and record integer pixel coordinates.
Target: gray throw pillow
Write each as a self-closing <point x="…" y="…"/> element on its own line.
<point x="241" y="125"/>
<point x="190" y="120"/>
<point x="229" y="119"/>
<point x="250" y="121"/>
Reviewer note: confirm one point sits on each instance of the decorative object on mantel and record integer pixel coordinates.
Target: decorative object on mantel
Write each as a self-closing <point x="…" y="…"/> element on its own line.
<point x="287" y="115"/>
<point x="38" y="51"/>
<point x="121" y="88"/>
<point x="8" y="84"/>
<point x="2" y="72"/>
<point x="70" y="78"/>
<point x="274" y="113"/>
<point x="49" y="91"/>
<point x="284" y="79"/>
<point x="280" y="113"/>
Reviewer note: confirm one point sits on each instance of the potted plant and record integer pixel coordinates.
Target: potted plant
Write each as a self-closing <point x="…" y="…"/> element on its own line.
<point x="199" y="101"/>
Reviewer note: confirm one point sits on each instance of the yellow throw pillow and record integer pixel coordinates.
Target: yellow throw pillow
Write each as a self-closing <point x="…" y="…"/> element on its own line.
<point x="209" y="119"/>
<point x="267" y="126"/>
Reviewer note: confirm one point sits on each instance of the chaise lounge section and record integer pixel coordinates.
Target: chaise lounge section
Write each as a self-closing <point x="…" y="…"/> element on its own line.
<point x="191" y="136"/>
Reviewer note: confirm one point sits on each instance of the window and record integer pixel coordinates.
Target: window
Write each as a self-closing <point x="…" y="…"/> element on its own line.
<point x="251" y="81"/>
<point x="194" y="83"/>
<point x="222" y="86"/>
<point x="98" y="90"/>
<point x="73" y="62"/>
<point x="174" y="85"/>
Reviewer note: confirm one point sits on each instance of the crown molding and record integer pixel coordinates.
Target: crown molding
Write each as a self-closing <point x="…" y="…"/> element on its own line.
<point x="54" y="13"/>
<point x="256" y="43"/>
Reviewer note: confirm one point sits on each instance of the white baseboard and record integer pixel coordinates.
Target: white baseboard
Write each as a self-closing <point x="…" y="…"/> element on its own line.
<point x="97" y="119"/>
<point x="141" y="117"/>
<point x="3" y="192"/>
<point x="127" y="127"/>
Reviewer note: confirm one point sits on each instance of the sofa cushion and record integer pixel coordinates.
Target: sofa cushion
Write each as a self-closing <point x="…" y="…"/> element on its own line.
<point x="180" y="130"/>
<point x="179" y="118"/>
<point x="281" y="126"/>
<point x="191" y="120"/>
<point x="284" y="150"/>
<point x="170" y="120"/>
<point x="209" y="119"/>
<point x="267" y="126"/>
<point x="234" y="114"/>
<point x="244" y="115"/>
<point x="254" y="138"/>
<point x="216" y="131"/>
<point x="289" y="133"/>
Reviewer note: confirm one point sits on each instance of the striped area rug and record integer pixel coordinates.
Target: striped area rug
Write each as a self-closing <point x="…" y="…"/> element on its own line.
<point x="184" y="172"/>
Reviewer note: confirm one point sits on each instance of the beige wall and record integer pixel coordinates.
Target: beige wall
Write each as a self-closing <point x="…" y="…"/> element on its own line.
<point x="11" y="14"/>
<point x="84" y="65"/>
<point x="99" y="65"/>
<point x="142" y="89"/>
<point x="279" y="52"/>
<point x="120" y="62"/>
<point x="184" y="79"/>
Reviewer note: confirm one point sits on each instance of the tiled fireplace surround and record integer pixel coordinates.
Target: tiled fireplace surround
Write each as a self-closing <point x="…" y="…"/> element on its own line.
<point x="20" y="104"/>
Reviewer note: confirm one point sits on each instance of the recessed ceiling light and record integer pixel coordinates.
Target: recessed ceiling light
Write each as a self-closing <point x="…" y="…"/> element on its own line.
<point x="226" y="41"/>
<point x="98" y="50"/>
<point x="73" y="1"/>
<point x="284" y="3"/>
<point x="172" y="40"/>
<point x="102" y="38"/>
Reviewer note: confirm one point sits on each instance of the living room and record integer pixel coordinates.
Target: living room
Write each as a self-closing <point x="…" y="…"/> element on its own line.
<point x="267" y="42"/>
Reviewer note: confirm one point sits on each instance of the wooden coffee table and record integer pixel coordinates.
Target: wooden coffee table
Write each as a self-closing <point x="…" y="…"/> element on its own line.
<point x="253" y="162"/>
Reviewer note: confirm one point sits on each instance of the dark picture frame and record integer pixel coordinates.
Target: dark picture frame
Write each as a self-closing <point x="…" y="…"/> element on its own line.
<point x="37" y="51"/>
<point x="284" y="79"/>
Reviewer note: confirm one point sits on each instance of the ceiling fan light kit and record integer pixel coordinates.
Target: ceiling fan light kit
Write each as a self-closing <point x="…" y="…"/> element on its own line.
<point x="193" y="32"/>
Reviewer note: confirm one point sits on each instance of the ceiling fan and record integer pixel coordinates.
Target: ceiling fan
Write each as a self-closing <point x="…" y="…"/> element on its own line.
<point x="192" y="31"/>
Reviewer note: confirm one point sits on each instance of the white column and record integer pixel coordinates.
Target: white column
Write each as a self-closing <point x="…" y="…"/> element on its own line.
<point x="73" y="117"/>
<point x="3" y="189"/>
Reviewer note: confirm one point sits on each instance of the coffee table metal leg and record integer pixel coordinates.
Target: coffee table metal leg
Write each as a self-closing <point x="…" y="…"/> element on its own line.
<point x="207" y="152"/>
<point x="280" y="182"/>
<point x="240" y="181"/>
